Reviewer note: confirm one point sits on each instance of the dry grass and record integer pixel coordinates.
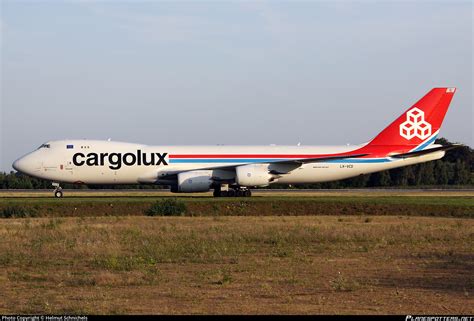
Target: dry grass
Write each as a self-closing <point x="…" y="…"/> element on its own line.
<point x="346" y="264"/>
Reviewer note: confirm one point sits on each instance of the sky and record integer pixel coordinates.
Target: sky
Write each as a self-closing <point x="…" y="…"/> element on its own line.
<point x="227" y="72"/>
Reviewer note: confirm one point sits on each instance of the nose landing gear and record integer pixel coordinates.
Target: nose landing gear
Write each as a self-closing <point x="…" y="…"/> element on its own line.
<point x="58" y="191"/>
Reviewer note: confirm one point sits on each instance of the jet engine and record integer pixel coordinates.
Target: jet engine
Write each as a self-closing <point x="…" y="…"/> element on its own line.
<point x="193" y="181"/>
<point x="253" y="175"/>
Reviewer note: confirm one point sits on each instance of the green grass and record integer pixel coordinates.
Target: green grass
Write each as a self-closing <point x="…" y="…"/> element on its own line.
<point x="452" y="200"/>
<point x="454" y="206"/>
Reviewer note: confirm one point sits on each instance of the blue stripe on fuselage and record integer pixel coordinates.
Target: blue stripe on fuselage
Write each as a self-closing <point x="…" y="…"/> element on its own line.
<point x="426" y="144"/>
<point x="360" y="160"/>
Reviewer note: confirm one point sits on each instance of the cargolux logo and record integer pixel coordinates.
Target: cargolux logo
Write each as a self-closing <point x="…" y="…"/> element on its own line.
<point x="115" y="160"/>
<point x="415" y="125"/>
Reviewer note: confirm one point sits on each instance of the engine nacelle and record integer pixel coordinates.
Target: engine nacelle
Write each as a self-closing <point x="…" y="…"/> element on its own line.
<point x="253" y="175"/>
<point x="194" y="181"/>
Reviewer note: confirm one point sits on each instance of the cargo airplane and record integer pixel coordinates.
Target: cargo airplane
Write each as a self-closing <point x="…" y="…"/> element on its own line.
<point x="234" y="170"/>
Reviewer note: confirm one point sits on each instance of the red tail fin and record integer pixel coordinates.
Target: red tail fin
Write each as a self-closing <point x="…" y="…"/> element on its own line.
<point x="419" y="125"/>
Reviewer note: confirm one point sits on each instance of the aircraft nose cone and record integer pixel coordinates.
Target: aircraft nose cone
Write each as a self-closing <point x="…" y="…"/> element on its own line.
<point x="17" y="165"/>
<point x="28" y="165"/>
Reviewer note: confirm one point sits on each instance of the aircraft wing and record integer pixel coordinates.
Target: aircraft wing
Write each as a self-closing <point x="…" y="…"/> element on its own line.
<point x="290" y="164"/>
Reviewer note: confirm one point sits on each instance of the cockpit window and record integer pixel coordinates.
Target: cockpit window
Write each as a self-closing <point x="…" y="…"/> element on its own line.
<point x="44" y="146"/>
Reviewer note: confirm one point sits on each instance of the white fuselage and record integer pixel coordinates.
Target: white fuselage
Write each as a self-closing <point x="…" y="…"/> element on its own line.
<point x="408" y="140"/>
<point x="106" y="162"/>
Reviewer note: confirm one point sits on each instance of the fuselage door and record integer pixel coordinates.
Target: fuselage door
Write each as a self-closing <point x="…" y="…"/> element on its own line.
<point x="67" y="166"/>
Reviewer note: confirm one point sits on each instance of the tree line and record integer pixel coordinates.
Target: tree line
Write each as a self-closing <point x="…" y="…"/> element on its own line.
<point x="455" y="169"/>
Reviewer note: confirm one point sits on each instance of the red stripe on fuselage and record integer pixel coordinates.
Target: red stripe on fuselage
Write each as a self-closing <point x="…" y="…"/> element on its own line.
<point x="249" y="156"/>
<point x="372" y="150"/>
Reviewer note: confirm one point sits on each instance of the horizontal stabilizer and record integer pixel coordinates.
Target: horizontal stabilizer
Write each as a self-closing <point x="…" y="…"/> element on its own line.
<point x="322" y="159"/>
<point x="427" y="151"/>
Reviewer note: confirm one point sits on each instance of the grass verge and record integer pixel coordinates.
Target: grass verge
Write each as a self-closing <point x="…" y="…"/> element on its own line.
<point x="220" y="264"/>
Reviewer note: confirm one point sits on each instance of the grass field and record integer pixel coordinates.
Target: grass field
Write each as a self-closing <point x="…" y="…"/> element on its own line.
<point x="309" y="264"/>
<point x="310" y="253"/>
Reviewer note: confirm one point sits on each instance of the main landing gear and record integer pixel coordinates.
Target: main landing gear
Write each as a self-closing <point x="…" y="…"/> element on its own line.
<point x="58" y="191"/>
<point x="232" y="192"/>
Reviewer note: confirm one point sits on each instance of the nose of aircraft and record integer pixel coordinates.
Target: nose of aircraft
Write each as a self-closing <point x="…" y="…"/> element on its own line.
<point x="25" y="165"/>
<point x="19" y="165"/>
<point x="28" y="164"/>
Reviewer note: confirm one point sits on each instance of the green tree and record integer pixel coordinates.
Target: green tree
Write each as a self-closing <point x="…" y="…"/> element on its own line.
<point x="399" y="176"/>
<point x="441" y="172"/>
<point x="427" y="173"/>
<point x="380" y="179"/>
<point x="462" y="175"/>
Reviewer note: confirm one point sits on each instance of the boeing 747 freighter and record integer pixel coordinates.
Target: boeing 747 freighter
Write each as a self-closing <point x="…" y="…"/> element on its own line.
<point x="234" y="170"/>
